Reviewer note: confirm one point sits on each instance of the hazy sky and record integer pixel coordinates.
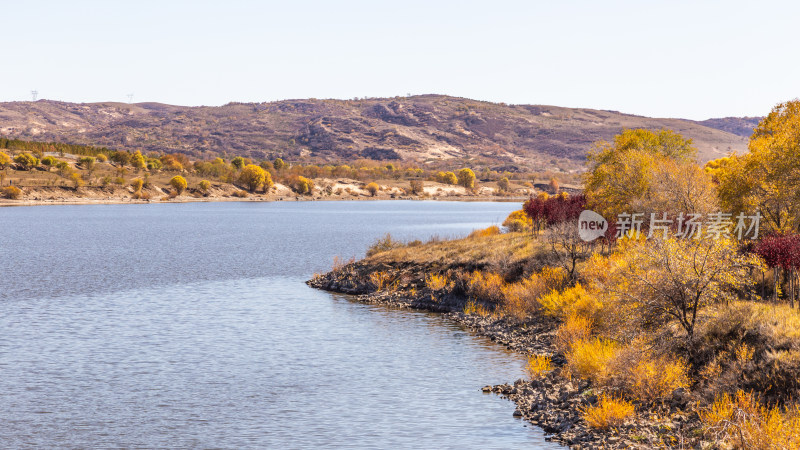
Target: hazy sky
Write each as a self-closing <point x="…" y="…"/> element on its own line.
<point x="688" y="59"/>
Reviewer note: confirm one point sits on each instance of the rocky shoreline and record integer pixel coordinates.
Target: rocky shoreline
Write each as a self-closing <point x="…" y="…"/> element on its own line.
<point x="552" y="402"/>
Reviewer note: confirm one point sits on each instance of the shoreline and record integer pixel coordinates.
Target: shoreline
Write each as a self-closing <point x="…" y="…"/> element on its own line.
<point x="105" y="196"/>
<point x="20" y="203"/>
<point x="552" y="402"/>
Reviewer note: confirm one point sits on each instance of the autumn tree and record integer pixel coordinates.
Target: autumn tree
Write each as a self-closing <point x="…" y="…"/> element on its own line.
<point x="137" y="184"/>
<point x="178" y="183"/>
<point x="554" y="185"/>
<point x="466" y="178"/>
<point x="301" y="185"/>
<point x="5" y="161"/>
<point x="26" y="161"/>
<point x="171" y="163"/>
<point x="122" y="158"/>
<point x="446" y="177"/>
<point x="417" y="187"/>
<point x="767" y="178"/>
<point x="76" y="179"/>
<point x="11" y="192"/>
<point x="238" y="162"/>
<point x="253" y="177"/>
<point x="87" y="162"/>
<point x="621" y="173"/>
<point x="503" y="184"/>
<point x="279" y="164"/>
<point x="204" y="185"/>
<point x="137" y="160"/>
<point x="649" y="283"/>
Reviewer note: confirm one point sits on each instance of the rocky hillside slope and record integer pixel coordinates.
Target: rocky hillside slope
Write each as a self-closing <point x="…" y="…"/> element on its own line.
<point x="426" y="128"/>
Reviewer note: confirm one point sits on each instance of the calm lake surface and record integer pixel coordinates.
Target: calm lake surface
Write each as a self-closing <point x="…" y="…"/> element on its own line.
<point x="189" y="325"/>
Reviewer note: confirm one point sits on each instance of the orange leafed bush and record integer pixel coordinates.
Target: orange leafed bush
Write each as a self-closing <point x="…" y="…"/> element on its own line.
<point x="436" y="282"/>
<point x="379" y="280"/>
<point x="491" y="231"/>
<point x="11" y="192"/>
<point x="476" y="308"/>
<point x="609" y="412"/>
<point x="518" y="221"/>
<point x="574" y="300"/>
<point x="574" y="329"/>
<point x="743" y="422"/>
<point x="591" y="359"/>
<point x="539" y="365"/>
<point x="486" y="286"/>
<point x="522" y="298"/>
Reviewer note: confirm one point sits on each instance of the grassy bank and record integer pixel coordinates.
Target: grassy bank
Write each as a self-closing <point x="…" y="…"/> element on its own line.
<point x="606" y="369"/>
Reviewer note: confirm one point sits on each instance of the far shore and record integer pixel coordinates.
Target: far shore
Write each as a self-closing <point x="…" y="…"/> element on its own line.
<point x="334" y="190"/>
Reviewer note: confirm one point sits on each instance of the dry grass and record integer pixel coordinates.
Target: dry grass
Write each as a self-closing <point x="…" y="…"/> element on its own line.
<point x="609" y="412"/>
<point x="650" y="378"/>
<point x="513" y="249"/>
<point x="743" y="422"/>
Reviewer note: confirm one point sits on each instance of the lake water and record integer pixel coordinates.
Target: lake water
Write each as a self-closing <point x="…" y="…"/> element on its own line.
<point x="189" y="325"/>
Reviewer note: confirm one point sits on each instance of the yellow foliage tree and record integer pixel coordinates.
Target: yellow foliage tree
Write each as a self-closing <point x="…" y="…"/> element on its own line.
<point x="138" y="160"/>
<point x="650" y="283"/>
<point x="621" y="173"/>
<point x="253" y="177"/>
<point x="767" y="178"/>
<point x="178" y="183"/>
<point x="518" y="221"/>
<point x="466" y="178"/>
<point x="4" y="160"/>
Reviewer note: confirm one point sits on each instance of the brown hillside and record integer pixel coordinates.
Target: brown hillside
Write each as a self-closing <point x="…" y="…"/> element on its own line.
<point x="421" y="128"/>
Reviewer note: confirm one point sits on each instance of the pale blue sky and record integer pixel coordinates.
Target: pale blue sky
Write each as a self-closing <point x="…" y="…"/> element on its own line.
<point x="688" y="59"/>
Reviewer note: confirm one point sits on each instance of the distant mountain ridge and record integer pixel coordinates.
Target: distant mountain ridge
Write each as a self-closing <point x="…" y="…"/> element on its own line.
<point x="425" y="128"/>
<point x="741" y="126"/>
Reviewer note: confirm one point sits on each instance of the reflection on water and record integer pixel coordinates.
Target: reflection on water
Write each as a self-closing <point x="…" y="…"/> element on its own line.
<point x="190" y="326"/>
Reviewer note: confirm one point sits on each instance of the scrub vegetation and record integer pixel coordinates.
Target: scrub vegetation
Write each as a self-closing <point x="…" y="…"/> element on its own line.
<point x="709" y="323"/>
